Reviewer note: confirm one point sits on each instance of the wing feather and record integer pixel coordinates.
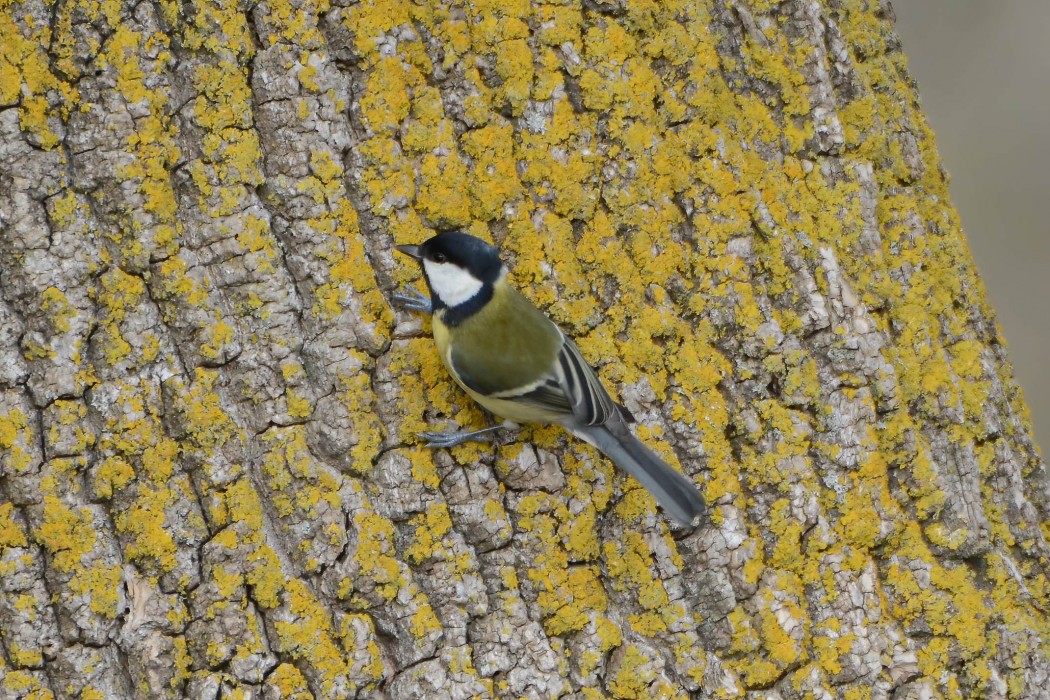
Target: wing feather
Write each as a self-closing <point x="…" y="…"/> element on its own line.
<point x="550" y="396"/>
<point x="591" y="403"/>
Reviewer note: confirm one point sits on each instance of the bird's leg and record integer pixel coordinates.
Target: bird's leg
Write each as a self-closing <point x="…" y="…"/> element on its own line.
<point x="414" y="300"/>
<point x="456" y="437"/>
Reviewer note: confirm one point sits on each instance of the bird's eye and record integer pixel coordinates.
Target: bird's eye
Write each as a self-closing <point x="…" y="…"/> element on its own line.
<point x="440" y="257"/>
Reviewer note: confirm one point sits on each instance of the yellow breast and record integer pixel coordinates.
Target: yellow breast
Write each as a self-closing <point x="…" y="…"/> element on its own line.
<point x="506" y="344"/>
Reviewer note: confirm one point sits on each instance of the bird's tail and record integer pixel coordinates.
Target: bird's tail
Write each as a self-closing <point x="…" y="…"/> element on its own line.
<point x="674" y="491"/>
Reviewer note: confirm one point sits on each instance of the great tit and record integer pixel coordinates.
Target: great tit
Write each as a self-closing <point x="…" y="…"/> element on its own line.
<point x="517" y="363"/>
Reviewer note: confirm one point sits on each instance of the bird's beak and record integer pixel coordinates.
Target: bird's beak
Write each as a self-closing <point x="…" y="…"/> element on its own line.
<point x="410" y="250"/>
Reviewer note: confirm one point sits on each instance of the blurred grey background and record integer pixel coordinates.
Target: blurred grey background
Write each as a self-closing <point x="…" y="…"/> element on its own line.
<point x="983" y="68"/>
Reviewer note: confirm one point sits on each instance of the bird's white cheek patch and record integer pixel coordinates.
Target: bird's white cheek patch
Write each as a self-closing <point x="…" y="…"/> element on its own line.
<point x="451" y="283"/>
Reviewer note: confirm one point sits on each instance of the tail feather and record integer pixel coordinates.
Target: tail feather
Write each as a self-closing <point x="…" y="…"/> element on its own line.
<point x="674" y="491"/>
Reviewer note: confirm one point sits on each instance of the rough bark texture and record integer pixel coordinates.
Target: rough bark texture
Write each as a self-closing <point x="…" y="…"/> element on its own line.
<point x="209" y="481"/>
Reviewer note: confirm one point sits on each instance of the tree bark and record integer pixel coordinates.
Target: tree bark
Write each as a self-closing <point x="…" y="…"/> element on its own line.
<point x="210" y="484"/>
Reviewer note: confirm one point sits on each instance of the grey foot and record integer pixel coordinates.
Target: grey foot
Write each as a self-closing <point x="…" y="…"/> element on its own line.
<point x="456" y="437"/>
<point x="413" y="300"/>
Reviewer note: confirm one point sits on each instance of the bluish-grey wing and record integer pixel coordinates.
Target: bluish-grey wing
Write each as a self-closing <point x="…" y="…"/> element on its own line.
<point x="548" y="395"/>
<point x="590" y="402"/>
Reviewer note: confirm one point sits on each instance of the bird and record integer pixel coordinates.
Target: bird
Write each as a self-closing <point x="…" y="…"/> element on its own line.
<point x="515" y="361"/>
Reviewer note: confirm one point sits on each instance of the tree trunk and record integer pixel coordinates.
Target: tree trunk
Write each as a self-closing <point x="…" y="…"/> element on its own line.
<point x="210" y="484"/>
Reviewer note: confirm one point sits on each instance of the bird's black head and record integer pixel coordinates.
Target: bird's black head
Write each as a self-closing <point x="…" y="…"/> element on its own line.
<point x="460" y="271"/>
<point x="472" y="254"/>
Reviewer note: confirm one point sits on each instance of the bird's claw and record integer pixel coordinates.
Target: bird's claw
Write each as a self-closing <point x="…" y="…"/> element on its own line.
<point x="441" y="439"/>
<point x="413" y="300"/>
